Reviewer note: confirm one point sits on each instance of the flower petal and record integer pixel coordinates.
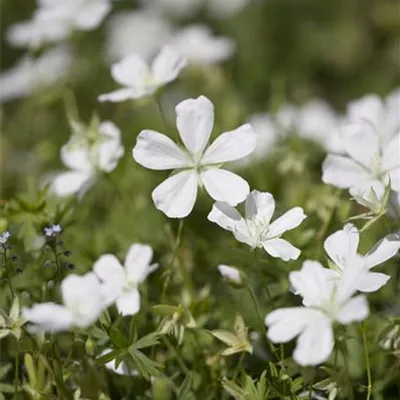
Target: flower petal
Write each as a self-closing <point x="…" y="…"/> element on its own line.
<point x="288" y="221"/>
<point x="356" y="309"/>
<point x="176" y="196"/>
<point x="231" y="146"/>
<point x="371" y="281"/>
<point x="129" y="303"/>
<point x="118" y="95"/>
<point x="286" y="323"/>
<point x="131" y="71"/>
<point x="156" y="151"/>
<point x="260" y="205"/>
<point x="383" y="251"/>
<point x="391" y="154"/>
<point x="223" y="185"/>
<point x="75" y="158"/>
<point x="167" y="65"/>
<point x="137" y="262"/>
<point x="91" y="14"/>
<point x="315" y="344"/>
<point x="195" y="120"/>
<point x="280" y="248"/>
<point x="342" y="245"/>
<point x="368" y="108"/>
<point x="343" y="172"/>
<point x="68" y="183"/>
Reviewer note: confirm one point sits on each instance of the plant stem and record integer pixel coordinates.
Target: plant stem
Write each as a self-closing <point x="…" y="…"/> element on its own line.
<point x="16" y="372"/>
<point x="57" y="261"/>
<point x="254" y="298"/>
<point x="239" y="366"/>
<point x="8" y="271"/>
<point x="367" y="363"/>
<point x="178" y="358"/>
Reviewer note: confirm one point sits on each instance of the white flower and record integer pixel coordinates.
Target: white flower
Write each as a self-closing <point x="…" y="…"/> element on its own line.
<point x="370" y="195"/>
<point x="83" y="302"/>
<point x="139" y="79"/>
<point x="120" y="283"/>
<point x="366" y="160"/>
<point x="4" y="237"/>
<point x="341" y="248"/>
<point x="383" y="114"/>
<point x="256" y="228"/>
<point x="31" y="75"/>
<point x="199" y="46"/>
<point x="230" y="273"/>
<point x="326" y="302"/>
<point x="86" y="158"/>
<point x="52" y="230"/>
<point x="55" y="20"/>
<point x="136" y="32"/>
<point x="200" y="164"/>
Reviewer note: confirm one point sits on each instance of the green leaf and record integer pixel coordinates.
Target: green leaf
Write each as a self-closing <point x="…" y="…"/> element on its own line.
<point x="146" y="367"/>
<point x="146" y="341"/>
<point x="106" y="358"/>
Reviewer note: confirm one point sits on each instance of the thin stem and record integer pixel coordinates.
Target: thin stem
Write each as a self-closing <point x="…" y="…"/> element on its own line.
<point x="239" y="366"/>
<point x="8" y="271"/>
<point x="161" y="111"/>
<point x="254" y="298"/>
<point x="16" y="372"/>
<point x="325" y="225"/>
<point x="57" y="261"/>
<point x="367" y="363"/>
<point x="178" y="358"/>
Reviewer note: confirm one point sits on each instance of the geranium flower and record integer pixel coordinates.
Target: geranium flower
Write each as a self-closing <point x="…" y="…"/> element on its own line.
<point x="198" y="163"/>
<point x="83" y="302"/>
<point x="341" y="248"/>
<point x="199" y="46"/>
<point x="366" y="160"/>
<point x="120" y="283"/>
<point x="86" y="157"/>
<point x="256" y="228"/>
<point x="325" y="302"/>
<point x="139" y="79"/>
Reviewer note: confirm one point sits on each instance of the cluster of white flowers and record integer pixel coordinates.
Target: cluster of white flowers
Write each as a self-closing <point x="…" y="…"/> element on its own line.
<point x="86" y="297"/>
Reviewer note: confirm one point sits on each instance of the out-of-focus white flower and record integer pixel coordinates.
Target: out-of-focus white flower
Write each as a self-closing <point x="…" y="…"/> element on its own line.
<point x="4" y="237"/>
<point x="230" y="273"/>
<point x="199" y="46"/>
<point x="370" y="195"/>
<point x="366" y="160"/>
<point x="341" y="248"/>
<point x="120" y="283"/>
<point x="326" y="302"/>
<point x="83" y="302"/>
<point x="137" y="32"/>
<point x="32" y="74"/>
<point x="122" y="367"/>
<point x="54" y="21"/>
<point x="256" y="228"/>
<point x="383" y="114"/>
<point x="86" y="158"/>
<point x="139" y="79"/>
<point x="52" y="230"/>
<point x="199" y="164"/>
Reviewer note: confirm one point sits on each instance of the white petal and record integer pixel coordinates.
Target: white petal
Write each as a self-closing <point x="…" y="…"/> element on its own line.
<point x="167" y="65"/>
<point x="230" y="273"/>
<point x="286" y="323"/>
<point x="110" y="271"/>
<point x="68" y="183"/>
<point x="91" y="15"/>
<point x="383" y="251"/>
<point x="356" y="309"/>
<point x="260" y="205"/>
<point x="371" y="282"/>
<point x="368" y="108"/>
<point x="395" y="179"/>
<point x="290" y="220"/>
<point x="76" y="158"/>
<point x="48" y="317"/>
<point x="131" y="71"/>
<point x="391" y="154"/>
<point x="231" y="146"/>
<point x="315" y="344"/>
<point x="110" y="149"/>
<point x="137" y="262"/>
<point x="343" y="172"/>
<point x="195" y="120"/>
<point x="281" y="249"/>
<point x="223" y="185"/>
<point x="176" y="196"/>
<point x="129" y="303"/>
<point x="342" y="245"/>
<point x="361" y="132"/>
<point x="224" y="215"/>
<point x="118" y="95"/>
<point x="156" y="151"/>
<point x="313" y="282"/>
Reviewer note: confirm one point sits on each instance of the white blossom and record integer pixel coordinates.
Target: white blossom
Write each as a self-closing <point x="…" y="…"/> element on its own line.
<point x="370" y="195"/>
<point x="139" y="79"/>
<point x="341" y="248"/>
<point x="30" y="74"/>
<point x="83" y="302"/>
<point x="85" y="158"/>
<point x="230" y="273"/>
<point x="325" y="302"/>
<point x="199" y="165"/>
<point x="256" y="228"/>
<point x="120" y="283"/>
<point x="4" y="237"/>
<point x="199" y="46"/>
